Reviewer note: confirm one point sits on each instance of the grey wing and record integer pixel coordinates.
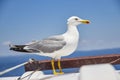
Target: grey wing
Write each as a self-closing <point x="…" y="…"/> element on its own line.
<point x="48" y="45"/>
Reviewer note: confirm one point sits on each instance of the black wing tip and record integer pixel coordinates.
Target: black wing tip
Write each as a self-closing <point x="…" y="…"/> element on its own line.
<point x="18" y="48"/>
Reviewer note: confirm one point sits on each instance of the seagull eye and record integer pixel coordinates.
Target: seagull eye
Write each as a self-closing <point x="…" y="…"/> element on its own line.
<point x="76" y="18"/>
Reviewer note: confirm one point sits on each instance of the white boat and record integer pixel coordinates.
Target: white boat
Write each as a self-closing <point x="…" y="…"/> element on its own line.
<point x="86" y="72"/>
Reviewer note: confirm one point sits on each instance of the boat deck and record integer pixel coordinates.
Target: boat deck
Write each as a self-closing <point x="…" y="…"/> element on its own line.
<point x="107" y="74"/>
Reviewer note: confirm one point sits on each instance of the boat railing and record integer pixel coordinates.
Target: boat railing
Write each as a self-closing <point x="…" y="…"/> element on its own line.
<point x="73" y="62"/>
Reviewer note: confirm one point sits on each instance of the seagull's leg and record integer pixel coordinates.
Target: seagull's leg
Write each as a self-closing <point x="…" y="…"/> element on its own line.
<point x="59" y="66"/>
<point x="53" y="67"/>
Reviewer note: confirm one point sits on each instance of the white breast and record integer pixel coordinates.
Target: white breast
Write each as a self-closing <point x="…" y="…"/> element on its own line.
<point x="71" y="37"/>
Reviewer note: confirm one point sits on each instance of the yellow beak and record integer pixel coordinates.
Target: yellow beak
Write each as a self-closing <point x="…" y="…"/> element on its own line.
<point x="85" y="21"/>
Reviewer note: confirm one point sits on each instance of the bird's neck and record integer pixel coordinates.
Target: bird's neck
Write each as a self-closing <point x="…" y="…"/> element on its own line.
<point x="72" y="30"/>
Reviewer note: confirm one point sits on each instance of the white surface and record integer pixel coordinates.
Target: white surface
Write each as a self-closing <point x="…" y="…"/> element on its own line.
<point x="35" y="75"/>
<point x="71" y="76"/>
<point x="9" y="78"/>
<point x="88" y="72"/>
<point x="98" y="72"/>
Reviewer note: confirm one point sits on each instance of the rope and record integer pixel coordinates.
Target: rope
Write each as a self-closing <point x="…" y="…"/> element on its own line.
<point x="12" y="68"/>
<point x="114" y="61"/>
<point x="29" y="75"/>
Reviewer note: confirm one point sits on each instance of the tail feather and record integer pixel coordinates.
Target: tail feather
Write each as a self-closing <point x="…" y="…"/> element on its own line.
<point x="19" y="48"/>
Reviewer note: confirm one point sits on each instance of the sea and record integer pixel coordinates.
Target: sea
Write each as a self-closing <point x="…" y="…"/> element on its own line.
<point x="11" y="61"/>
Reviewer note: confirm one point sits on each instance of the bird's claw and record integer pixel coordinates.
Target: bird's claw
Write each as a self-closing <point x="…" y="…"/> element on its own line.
<point x="58" y="73"/>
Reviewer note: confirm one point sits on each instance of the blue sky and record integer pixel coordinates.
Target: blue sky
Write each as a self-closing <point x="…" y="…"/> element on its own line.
<point x="22" y="21"/>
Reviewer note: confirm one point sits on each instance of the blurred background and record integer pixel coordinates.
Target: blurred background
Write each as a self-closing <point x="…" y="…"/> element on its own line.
<point x="22" y="21"/>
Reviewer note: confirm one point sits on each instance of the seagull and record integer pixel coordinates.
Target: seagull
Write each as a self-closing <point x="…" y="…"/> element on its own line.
<point x="55" y="46"/>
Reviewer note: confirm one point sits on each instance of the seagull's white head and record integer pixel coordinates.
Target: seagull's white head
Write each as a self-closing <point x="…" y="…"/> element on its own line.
<point x="74" y="21"/>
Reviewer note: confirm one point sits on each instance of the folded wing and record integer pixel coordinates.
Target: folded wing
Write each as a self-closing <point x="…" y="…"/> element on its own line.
<point x="47" y="45"/>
